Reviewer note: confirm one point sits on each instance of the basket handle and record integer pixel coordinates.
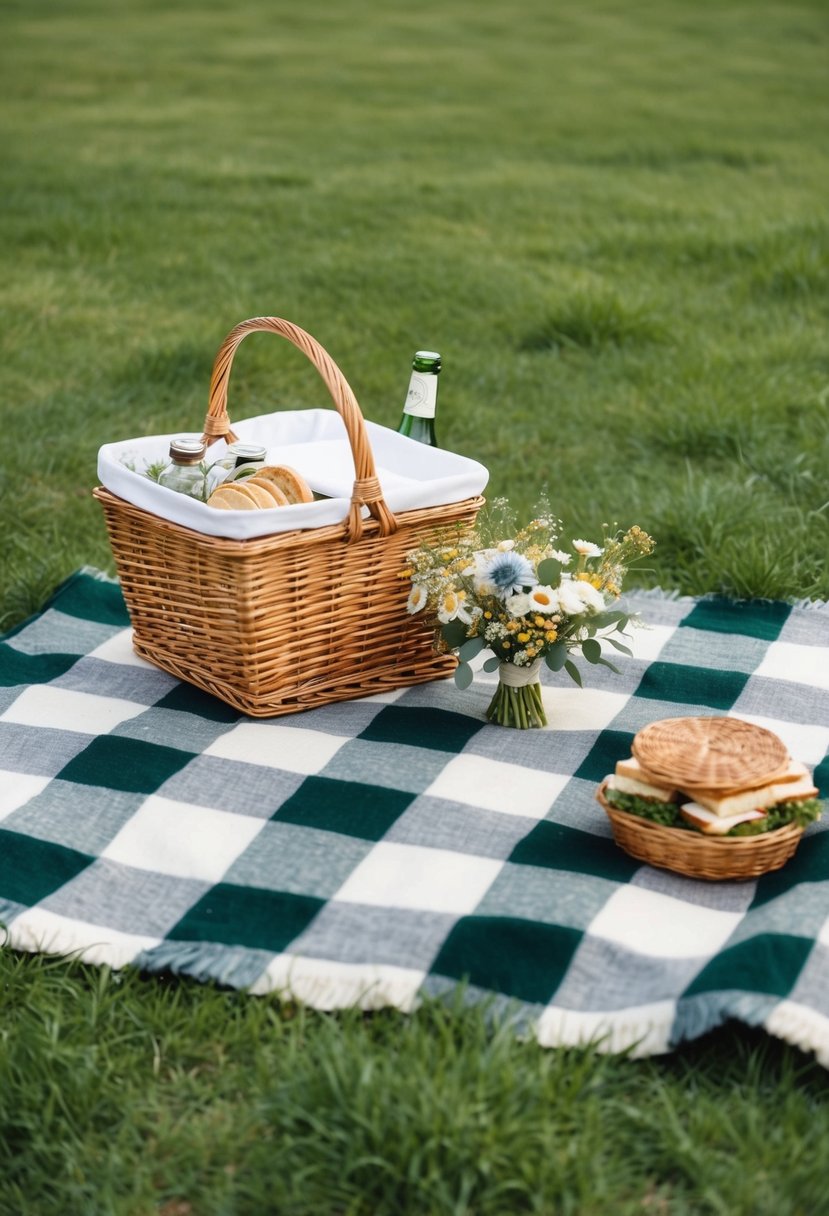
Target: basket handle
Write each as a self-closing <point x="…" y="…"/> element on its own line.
<point x="367" y="490"/>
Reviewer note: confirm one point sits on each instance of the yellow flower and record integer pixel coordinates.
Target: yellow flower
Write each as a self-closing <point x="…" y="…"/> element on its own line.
<point x="523" y="637"/>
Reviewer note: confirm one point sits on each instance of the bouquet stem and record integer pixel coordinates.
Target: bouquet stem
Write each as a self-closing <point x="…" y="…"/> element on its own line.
<point x="517" y="701"/>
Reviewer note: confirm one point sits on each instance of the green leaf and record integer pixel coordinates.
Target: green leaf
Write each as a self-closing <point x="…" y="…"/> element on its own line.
<point x="602" y="619"/>
<point x="492" y="664"/>
<point x="620" y="646"/>
<point x="549" y="571"/>
<point x="607" y="663"/>
<point x="463" y="675"/>
<point x="453" y="634"/>
<point x="573" y="672"/>
<point x="592" y="650"/>
<point x="556" y="656"/>
<point x="470" y="648"/>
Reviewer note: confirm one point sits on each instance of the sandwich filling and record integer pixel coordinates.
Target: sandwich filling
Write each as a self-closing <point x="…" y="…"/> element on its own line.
<point x="789" y="797"/>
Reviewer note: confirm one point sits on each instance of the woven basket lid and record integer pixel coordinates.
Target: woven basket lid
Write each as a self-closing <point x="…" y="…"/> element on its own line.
<point x="710" y="753"/>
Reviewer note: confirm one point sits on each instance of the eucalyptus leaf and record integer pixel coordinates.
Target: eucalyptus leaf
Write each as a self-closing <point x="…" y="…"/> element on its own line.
<point x="592" y="650"/>
<point x="492" y="664"/>
<point x="556" y="656"/>
<point x="463" y="675"/>
<point x="607" y="663"/>
<point x="549" y="571"/>
<point x="620" y="646"/>
<point x="453" y="634"/>
<point x="573" y="672"/>
<point x="470" y="648"/>
<point x="602" y="619"/>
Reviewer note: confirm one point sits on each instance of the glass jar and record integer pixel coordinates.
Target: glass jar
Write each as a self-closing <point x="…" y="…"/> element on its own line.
<point x="242" y="459"/>
<point x="185" y="472"/>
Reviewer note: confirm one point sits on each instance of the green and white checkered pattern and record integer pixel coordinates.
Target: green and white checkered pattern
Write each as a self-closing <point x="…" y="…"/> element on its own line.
<point x="373" y="851"/>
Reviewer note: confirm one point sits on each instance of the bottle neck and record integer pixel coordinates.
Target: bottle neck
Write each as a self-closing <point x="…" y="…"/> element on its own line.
<point x="422" y="396"/>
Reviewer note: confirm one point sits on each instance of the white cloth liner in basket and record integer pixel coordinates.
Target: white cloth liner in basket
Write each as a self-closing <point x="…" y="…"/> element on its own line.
<point x="312" y="441"/>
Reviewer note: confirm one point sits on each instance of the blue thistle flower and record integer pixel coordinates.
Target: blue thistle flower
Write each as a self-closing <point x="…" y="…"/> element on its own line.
<point x="509" y="572"/>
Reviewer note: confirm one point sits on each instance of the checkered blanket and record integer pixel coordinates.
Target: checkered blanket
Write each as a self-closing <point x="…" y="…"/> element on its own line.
<point x="373" y="851"/>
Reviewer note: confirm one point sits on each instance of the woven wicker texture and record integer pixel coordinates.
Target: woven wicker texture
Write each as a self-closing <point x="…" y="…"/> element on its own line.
<point x="696" y="855"/>
<point x="709" y="753"/>
<point x="290" y="621"/>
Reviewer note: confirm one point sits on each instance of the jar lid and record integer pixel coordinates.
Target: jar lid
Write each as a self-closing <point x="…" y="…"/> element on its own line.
<point x="247" y="451"/>
<point x="187" y="451"/>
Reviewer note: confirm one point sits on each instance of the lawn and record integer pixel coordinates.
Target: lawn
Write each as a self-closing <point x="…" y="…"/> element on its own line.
<point x="610" y="218"/>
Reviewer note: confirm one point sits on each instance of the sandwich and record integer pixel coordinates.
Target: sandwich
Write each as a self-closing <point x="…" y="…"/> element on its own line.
<point x="762" y="804"/>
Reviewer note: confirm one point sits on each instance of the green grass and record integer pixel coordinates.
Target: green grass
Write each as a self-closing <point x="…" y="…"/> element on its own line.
<point x="124" y="1095"/>
<point x="610" y="218"/>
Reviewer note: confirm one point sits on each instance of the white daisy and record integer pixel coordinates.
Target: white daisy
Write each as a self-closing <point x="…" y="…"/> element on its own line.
<point x="543" y="599"/>
<point x="586" y="548"/>
<point x="417" y="599"/>
<point x="452" y="607"/>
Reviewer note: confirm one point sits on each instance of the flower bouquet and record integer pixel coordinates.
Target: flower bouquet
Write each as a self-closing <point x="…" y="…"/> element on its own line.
<point x="514" y="592"/>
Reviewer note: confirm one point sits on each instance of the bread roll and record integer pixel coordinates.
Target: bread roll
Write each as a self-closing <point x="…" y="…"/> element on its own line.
<point x="292" y="484"/>
<point x="277" y="498"/>
<point x="261" y="497"/>
<point x="231" y="498"/>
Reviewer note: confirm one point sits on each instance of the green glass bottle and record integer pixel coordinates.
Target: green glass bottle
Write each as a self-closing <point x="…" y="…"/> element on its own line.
<point x="418" y="420"/>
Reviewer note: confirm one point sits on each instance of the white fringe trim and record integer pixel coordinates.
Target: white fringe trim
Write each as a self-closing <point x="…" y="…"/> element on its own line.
<point x="802" y="1027"/>
<point x="322" y="984"/>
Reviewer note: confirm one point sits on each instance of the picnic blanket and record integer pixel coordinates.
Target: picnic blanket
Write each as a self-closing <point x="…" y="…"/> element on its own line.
<point x="370" y="852"/>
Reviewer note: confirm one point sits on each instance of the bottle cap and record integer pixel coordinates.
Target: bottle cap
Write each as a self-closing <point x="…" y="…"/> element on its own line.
<point x="426" y="361"/>
<point x="246" y="452"/>
<point x="187" y="451"/>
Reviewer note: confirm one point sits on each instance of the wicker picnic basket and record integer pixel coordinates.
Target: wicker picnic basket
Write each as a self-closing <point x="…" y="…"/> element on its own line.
<point x="294" y="620"/>
<point x="696" y="855"/>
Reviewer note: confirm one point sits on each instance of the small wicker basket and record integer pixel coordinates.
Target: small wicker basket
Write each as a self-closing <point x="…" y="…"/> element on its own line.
<point x="696" y="855"/>
<point x="294" y="620"/>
